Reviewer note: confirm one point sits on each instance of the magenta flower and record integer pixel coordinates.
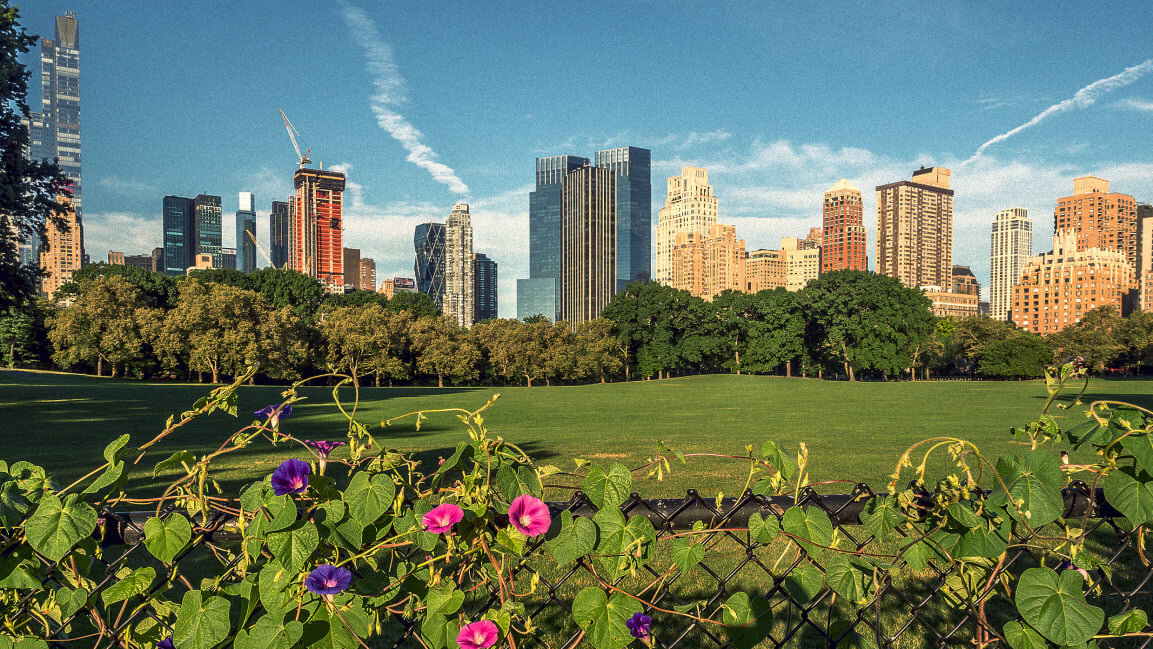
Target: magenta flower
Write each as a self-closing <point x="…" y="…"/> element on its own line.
<point x="442" y="518"/>
<point x="640" y="626"/>
<point x="529" y="515"/>
<point x="323" y="448"/>
<point x="327" y="580"/>
<point x="291" y="477"/>
<point x="478" y="635"/>
<point x="165" y="644"/>
<point x="274" y="412"/>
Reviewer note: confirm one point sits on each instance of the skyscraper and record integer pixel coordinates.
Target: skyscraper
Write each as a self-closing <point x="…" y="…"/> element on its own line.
<point x="705" y="265"/>
<point x="631" y="168"/>
<point x="367" y="274"/>
<point x="843" y="247"/>
<point x="317" y="248"/>
<point x="459" y="292"/>
<point x="55" y="133"/>
<point x="227" y="259"/>
<point x="690" y="208"/>
<point x="279" y="237"/>
<point x="351" y="262"/>
<point x="179" y="222"/>
<point x="429" y="266"/>
<point x="484" y="273"/>
<point x="246" y="233"/>
<point x="588" y="243"/>
<point x="1145" y="256"/>
<point x="209" y="233"/>
<point x="1099" y="218"/>
<point x="915" y="229"/>
<point x="540" y="293"/>
<point x="1011" y="247"/>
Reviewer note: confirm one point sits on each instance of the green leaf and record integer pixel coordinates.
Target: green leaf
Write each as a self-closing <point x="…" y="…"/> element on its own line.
<point x="608" y="489"/>
<point x="368" y="498"/>
<point x="1132" y="496"/>
<point x="782" y="462"/>
<point x="988" y="539"/>
<point x="686" y="553"/>
<point x="134" y="584"/>
<point x="273" y="581"/>
<point x="577" y="537"/>
<point x="70" y="601"/>
<point x="918" y="555"/>
<point x="444" y="600"/>
<point x="178" y="458"/>
<point x="1035" y="482"/>
<point x="1055" y="606"/>
<point x="803" y="584"/>
<point x="268" y="633"/>
<point x="294" y="546"/>
<point x="747" y="622"/>
<point x="201" y="624"/>
<point x="166" y="538"/>
<point x="13" y="505"/>
<point x="516" y="481"/>
<point x="962" y="513"/>
<point x="811" y="525"/>
<point x="14" y="575"/>
<point x="1020" y="636"/>
<point x="112" y="452"/>
<point x="1141" y="446"/>
<point x="603" y="618"/>
<point x="846" y="579"/>
<point x="1133" y="621"/>
<point x="881" y="516"/>
<point x="764" y="530"/>
<point x="7" y="642"/>
<point x="111" y="476"/>
<point x="56" y="527"/>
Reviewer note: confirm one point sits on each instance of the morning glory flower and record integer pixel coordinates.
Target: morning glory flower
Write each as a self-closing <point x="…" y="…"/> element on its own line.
<point x="478" y="635"/>
<point x="165" y="644"/>
<point x="442" y="518"/>
<point x="291" y="477"/>
<point x="640" y="626"/>
<point x="323" y="448"/>
<point x="529" y="515"/>
<point x="327" y="581"/>
<point x="274" y="412"/>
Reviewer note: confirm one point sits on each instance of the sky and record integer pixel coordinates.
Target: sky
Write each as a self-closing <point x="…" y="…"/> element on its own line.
<point x="427" y="104"/>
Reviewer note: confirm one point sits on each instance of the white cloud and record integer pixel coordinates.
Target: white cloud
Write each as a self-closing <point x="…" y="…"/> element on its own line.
<point x="268" y="185"/>
<point x="389" y="94"/>
<point x="127" y="232"/>
<point x="1138" y="104"/>
<point x="127" y="187"/>
<point x="1083" y="98"/>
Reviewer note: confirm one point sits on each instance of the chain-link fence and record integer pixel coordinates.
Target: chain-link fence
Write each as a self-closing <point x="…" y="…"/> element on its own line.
<point x="925" y="608"/>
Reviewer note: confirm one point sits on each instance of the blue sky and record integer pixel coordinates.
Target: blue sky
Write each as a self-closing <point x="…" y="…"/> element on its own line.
<point x="424" y="104"/>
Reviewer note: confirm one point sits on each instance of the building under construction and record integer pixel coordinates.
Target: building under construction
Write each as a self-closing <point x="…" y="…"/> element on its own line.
<point x="317" y="241"/>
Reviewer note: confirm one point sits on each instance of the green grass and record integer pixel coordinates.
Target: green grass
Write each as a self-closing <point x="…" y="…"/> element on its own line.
<point x="853" y="432"/>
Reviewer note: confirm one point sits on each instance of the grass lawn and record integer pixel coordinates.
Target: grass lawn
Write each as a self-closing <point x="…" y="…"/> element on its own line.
<point x="853" y="431"/>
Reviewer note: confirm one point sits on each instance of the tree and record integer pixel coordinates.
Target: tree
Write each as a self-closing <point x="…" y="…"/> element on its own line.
<point x="281" y="287"/>
<point x="865" y="321"/>
<point x="30" y="190"/>
<point x="365" y="339"/>
<point x="24" y="334"/>
<point x="653" y="321"/>
<point x="214" y="328"/>
<point x="1136" y="335"/>
<point x="355" y="298"/>
<point x="596" y="350"/>
<point x="418" y="304"/>
<point x="108" y="321"/>
<point x="972" y="333"/>
<point x="442" y="350"/>
<point x="1025" y="355"/>
<point x="776" y="331"/>
<point x="287" y="344"/>
<point x="1096" y="338"/>
<point x="158" y="290"/>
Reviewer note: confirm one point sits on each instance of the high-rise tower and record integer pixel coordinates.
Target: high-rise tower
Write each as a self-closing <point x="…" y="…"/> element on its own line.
<point x="179" y="223"/>
<point x="279" y="237"/>
<point x="631" y="169"/>
<point x="1010" y="249"/>
<point x="429" y="267"/>
<point x="690" y="208"/>
<point x="209" y="235"/>
<point x="843" y="247"/>
<point x="459" y="292"/>
<point x="539" y="294"/>
<point x="317" y="227"/>
<point x="1145" y="256"/>
<point x="915" y="229"/>
<point x="246" y="233"/>
<point x="1100" y="219"/>
<point x="484" y="273"/>
<point x="588" y="243"/>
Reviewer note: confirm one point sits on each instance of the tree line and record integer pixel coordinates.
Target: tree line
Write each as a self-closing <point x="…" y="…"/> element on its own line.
<point x="128" y="321"/>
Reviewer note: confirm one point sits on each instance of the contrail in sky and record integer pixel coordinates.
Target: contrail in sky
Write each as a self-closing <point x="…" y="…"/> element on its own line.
<point x="1086" y="96"/>
<point x="390" y="94"/>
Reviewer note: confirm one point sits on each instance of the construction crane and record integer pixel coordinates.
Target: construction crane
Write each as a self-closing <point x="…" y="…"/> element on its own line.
<point x="262" y="251"/>
<point x="303" y="158"/>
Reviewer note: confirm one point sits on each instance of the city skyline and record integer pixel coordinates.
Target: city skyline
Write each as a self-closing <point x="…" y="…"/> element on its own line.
<point x="769" y="173"/>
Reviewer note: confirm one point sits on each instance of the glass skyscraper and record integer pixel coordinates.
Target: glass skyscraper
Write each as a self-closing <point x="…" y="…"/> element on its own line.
<point x="634" y="192"/>
<point x="540" y="293"/>
<point x="246" y="233"/>
<point x="208" y="228"/>
<point x="278" y="234"/>
<point x="429" y="267"/>
<point x="484" y="273"/>
<point x="179" y="219"/>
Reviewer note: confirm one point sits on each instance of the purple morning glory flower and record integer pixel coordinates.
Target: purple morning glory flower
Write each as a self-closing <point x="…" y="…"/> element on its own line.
<point x="323" y="448"/>
<point x="165" y="644"/>
<point x="274" y="412"/>
<point x="328" y="580"/>
<point x="291" y="477"/>
<point x="639" y="625"/>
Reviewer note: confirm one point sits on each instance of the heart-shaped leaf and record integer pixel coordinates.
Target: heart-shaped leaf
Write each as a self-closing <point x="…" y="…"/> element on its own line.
<point x="368" y="498"/>
<point x="1131" y="494"/>
<point x="686" y="553"/>
<point x="803" y="584"/>
<point x="608" y="489"/>
<point x="1133" y="621"/>
<point x="811" y="525"/>
<point x="881" y="516"/>
<point x="846" y="579"/>
<point x="603" y="618"/>
<point x="201" y="624"/>
<point x="294" y="546"/>
<point x="747" y="621"/>
<point x="1020" y="636"/>
<point x="1035" y="482"/>
<point x="577" y="537"/>
<point x="165" y="538"/>
<point x="764" y="529"/>
<point x="130" y="586"/>
<point x="56" y="526"/>
<point x="1055" y="606"/>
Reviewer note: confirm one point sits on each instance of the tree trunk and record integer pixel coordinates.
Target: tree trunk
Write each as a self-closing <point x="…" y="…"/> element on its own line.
<point x="852" y="377"/>
<point x="113" y="374"/>
<point x="99" y="366"/>
<point x="377" y="381"/>
<point x="199" y="376"/>
<point x="602" y="377"/>
<point x="913" y="374"/>
<point x="626" y="371"/>
<point x="789" y="368"/>
<point x="737" y="356"/>
<point x="439" y="381"/>
<point x="528" y="379"/>
<point x="215" y="375"/>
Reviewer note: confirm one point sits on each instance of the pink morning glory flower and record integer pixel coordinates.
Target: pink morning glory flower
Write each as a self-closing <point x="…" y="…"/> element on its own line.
<point x="478" y="635"/>
<point x="323" y="448"/>
<point x="529" y="515"/>
<point x="442" y="518"/>
<point x="291" y="477"/>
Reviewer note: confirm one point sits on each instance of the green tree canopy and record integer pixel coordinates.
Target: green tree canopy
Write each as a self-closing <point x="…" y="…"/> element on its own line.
<point x="1022" y="356"/>
<point x="109" y="321"/>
